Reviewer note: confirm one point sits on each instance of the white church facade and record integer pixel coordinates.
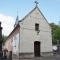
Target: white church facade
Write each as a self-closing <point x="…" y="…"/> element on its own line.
<point x="31" y="36"/>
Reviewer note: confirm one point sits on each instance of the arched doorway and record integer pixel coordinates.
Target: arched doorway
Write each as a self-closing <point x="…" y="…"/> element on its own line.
<point x="37" y="49"/>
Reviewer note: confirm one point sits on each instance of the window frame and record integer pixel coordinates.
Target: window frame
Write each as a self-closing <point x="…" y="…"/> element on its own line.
<point x="36" y="26"/>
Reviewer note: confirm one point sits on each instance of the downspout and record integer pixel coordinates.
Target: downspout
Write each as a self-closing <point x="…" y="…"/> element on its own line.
<point x="19" y="42"/>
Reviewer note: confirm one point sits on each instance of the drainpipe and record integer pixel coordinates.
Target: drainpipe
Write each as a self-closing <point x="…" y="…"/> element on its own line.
<point x="19" y="42"/>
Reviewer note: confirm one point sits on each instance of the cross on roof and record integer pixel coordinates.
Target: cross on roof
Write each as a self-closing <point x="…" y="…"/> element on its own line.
<point x="36" y="2"/>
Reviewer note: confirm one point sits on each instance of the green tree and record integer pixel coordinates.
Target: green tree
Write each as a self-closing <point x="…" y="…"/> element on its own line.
<point x="4" y="39"/>
<point x="55" y="32"/>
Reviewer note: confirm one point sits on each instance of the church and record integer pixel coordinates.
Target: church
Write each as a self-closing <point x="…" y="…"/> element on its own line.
<point x="31" y="36"/>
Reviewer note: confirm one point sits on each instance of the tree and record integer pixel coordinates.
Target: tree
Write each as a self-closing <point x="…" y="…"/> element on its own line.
<point x="4" y="39"/>
<point x="55" y="32"/>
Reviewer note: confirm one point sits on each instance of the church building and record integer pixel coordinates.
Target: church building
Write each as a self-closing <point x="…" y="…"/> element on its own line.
<point x="31" y="36"/>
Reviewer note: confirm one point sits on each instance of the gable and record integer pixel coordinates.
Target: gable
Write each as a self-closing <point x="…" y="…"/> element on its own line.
<point x="28" y="33"/>
<point x="35" y="16"/>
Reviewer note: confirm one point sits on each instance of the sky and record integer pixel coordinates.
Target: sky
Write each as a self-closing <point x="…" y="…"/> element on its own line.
<point x="9" y="9"/>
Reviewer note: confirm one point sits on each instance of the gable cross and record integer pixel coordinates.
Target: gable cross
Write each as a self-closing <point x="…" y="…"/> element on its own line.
<point x="36" y="2"/>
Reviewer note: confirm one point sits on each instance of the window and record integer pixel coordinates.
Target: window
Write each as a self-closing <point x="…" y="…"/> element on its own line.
<point x="36" y="26"/>
<point x="15" y="38"/>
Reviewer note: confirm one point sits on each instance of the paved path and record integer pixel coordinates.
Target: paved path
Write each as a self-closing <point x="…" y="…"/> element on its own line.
<point x="56" y="57"/>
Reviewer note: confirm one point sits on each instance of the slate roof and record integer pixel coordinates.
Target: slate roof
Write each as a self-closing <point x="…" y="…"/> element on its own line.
<point x="13" y="31"/>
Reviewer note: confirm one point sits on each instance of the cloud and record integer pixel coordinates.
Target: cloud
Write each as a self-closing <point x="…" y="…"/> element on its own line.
<point x="7" y="24"/>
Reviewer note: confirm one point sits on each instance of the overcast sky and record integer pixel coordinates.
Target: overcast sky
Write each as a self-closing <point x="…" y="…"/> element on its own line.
<point x="9" y="9"/>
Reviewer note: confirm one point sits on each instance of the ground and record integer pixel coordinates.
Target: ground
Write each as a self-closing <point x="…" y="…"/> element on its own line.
<point x="55" y="57"/>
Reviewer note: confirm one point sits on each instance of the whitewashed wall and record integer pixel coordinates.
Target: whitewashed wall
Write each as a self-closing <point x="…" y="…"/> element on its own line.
<point x="15" y="44"/>
<point x="28" y="34"/>
<point x="8" y="45"/>
<point x="12" y="42"/>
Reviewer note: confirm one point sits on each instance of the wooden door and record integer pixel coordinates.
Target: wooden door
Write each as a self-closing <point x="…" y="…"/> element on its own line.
<point x="37" y="49"/>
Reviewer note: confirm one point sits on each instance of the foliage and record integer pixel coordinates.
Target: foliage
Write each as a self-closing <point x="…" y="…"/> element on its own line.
<point x="4" y="39"/>
<point x="55" y="32"/>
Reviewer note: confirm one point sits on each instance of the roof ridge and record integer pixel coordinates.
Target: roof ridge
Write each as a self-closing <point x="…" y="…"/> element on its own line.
<point x="32" y="11"/>
<point x="28" y="14"/>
